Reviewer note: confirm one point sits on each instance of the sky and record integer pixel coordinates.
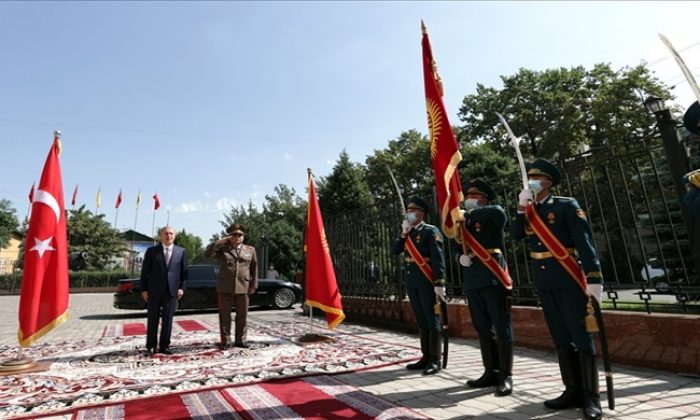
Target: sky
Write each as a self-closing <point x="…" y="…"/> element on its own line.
<point x="213" y="104"/>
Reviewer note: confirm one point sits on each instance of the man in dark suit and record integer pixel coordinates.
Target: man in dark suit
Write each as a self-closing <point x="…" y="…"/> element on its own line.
<point x="238" y="279"/>
<point x="163" y="282"/>
<point x="564" y="281"/>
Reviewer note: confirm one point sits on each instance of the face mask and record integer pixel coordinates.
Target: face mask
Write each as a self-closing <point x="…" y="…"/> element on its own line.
<point x="411" y="217"/>
<point x="535" y="185"/>
<point x="471" y="203"/>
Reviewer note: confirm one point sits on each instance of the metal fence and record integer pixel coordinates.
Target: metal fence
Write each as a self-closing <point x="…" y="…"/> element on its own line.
<point x="629" y="197"/>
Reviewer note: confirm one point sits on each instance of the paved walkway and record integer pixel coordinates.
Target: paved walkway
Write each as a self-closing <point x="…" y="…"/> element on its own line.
<point x="640" y="393"/>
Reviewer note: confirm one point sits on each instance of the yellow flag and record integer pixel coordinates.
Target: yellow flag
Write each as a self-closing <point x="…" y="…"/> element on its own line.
<point x="138" y="199"/>
<point x="99" y="197"/>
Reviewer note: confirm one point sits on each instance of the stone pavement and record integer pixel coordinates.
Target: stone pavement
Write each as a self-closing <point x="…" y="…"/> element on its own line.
<point x="640" y="393"/>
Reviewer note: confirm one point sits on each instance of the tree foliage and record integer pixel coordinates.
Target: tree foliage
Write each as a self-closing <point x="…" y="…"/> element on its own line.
<point x="192" y="245"/>
<point x="345" y="189"/>
<point x="90" y="233"/>
<point x="555" y="111"/>
<point x="8" y="222"/>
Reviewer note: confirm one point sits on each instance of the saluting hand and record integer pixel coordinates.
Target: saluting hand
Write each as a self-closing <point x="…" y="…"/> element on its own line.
<point x="144" y="295"/>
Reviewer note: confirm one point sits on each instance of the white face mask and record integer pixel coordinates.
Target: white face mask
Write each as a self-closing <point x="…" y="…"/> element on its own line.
<point x="471" y="203"/>
<point x="411" y="217"/>
<point x="535" y="185"/>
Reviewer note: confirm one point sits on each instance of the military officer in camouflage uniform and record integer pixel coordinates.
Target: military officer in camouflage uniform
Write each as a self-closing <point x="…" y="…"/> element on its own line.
<point x="563" y="301"/>
<point x="421" y="293"/>
<point x="489" y="300"/>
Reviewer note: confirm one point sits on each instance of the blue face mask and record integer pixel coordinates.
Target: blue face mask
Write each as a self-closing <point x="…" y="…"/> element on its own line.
<point x="535" y="185"/>
<point x="411" y="217"/>
<point x="471" y="203"/>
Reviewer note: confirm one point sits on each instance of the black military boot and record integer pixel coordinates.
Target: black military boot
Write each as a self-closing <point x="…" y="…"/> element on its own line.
<point x="505" y="368"/>
<point x="570" y="376"/>
<point x="589" y="385"/>
<point x="424" y="348"/>
<point x="489" y="354"/>
<point x="434" y="365"/>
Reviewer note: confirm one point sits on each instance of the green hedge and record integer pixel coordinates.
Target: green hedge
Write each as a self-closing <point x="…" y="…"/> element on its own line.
<point x="10" y="283"/>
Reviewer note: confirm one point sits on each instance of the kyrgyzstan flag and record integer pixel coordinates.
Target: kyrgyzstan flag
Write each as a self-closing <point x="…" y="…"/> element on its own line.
<point x="156" y="202"/>
<point x="43" y="302"/>
<point x="321" y="287"/>
<point x="444" y="150"/>
<point x="119" y="200"/>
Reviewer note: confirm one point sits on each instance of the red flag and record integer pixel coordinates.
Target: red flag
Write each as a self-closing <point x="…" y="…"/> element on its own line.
<point x="43" y="302"/>
<point x="31" y="193"/>
<point x="156" y="204"/>
<point x="75" y="195"/>
<point x="321" y="286"/>
<point x="119" y="200"/>
<point x="444" y="150"/>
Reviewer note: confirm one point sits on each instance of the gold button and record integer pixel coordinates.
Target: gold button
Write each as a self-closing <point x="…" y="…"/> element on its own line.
<point x="542" y="267"/>
<point x="539" y="243"/>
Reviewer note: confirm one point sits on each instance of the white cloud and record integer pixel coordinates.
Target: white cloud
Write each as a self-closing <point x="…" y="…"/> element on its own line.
<point x="190" y="207"/>
<point x="225" y="203"/>
<point x="207" y="195"/>
<point x="330" y="162"/>
<point x="287" y="156"/>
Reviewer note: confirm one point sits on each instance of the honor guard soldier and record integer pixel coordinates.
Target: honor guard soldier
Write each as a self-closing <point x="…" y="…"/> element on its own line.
<point x="488" y="285"/>
<point x="691" y="120"/>
<point x="425" y="280"/>
<point x="566" y="272"/>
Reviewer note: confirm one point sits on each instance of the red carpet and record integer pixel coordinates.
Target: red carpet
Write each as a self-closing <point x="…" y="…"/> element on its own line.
<point x="315" y="397"/>
<point x="139" y="328"/>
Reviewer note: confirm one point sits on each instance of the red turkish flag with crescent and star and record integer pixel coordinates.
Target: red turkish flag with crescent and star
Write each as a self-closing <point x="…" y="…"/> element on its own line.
<point x="43" y="302"/>
<point x="321" y="286"/>
<point x="156" y="202"/>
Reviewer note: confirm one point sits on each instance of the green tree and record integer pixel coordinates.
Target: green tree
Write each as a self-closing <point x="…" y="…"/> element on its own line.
<point x="192" y="245"/>
<point x="90" y="233"/>
<point x="345" y="189"/>
<point x="556" y="111"/>
<point x="8" y="222"/>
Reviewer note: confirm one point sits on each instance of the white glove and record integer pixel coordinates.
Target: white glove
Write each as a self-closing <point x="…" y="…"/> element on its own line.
<point x="525" y="196"/>
<point x="441" y="292"/>
<point x="465" y="260"/>
<point x="405" y="227"/>
<point x="595" y="290"/>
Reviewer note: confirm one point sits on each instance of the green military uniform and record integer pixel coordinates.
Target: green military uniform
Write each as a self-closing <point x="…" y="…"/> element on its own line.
<point x="563" y="301"/>
<point x="488" y="299"/>
<point x="421" y="293"/>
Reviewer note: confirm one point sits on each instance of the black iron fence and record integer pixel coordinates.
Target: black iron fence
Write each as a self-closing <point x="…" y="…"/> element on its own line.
<point x="642" y="240"/>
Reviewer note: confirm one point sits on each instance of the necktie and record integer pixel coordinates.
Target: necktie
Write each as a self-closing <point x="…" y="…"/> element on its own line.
<point x="167" y="256"/>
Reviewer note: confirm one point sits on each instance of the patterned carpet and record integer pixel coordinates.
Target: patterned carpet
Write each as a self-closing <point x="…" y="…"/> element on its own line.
<point x="116" y="368"/>
<point x="313" y="397"/>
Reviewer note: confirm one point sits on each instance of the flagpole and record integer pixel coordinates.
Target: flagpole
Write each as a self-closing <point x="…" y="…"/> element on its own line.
<point x="167" y="222"/>
<point x="116" y="214"/>
<point x="153" y="227"/>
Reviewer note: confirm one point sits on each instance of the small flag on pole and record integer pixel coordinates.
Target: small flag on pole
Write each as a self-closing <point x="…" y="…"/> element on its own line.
<point x="99" y="197"/>
<point x="119" y="199"/>
<point x="75" y="195"/>
<point x="156" y="202"/>
<point x="138" y="200"/>
<point x="31" y="193"/>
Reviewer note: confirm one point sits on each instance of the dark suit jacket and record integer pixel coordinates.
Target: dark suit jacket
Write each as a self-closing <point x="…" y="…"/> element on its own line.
<point x="156" y="277"/>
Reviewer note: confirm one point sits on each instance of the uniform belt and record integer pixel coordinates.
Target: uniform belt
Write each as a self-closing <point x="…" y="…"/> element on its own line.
<point x="411" y="260"/>
<point x="490" y="251"/>
<point x="546" y="254"/>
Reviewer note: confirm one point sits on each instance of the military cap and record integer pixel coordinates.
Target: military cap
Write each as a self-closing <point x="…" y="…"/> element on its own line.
<point x="235" y="228"/>
<point x="691" y="119"/>
<point x="477" y="186"/>
<point x="546" y="168"/>
<point x="416" y="202"/>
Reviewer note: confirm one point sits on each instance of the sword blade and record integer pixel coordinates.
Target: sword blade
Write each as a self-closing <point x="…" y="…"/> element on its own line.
<point x="516" y="144"/>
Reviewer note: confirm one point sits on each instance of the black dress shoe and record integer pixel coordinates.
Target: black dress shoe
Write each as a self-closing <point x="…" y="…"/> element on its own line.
<point x="222" y="346"/>
<point x="150" y="352"/>
<point x="166" y="351"/>
<point x="242" y="345"/>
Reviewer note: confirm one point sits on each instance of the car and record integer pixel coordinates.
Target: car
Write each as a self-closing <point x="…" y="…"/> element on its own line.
<point x="201" y="291"/>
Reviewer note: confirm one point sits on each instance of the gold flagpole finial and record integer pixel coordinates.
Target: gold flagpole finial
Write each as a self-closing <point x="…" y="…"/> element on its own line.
<point x="423" y="29"/>
<point x="57" y="139"/>
<point x="308" y="171"/>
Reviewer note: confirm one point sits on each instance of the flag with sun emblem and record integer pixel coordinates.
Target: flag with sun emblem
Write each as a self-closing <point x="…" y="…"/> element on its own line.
<point x="444" y="151"/>
<point x="321" y="285"/>
<point x="43" y="302"/>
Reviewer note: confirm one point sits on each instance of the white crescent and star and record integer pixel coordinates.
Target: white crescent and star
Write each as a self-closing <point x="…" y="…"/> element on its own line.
<point x="44" y="197"/>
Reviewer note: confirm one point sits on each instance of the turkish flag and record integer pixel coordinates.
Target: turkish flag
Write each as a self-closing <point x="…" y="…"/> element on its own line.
<point x="75" y="195"/>
<point x="119" y="200"/>
<point x="43" y="302"/>
<point x="321" y="286"/>
<point x="156" y="202"/>
<point x="31" y="193"/>
<point x="444" y="151"/>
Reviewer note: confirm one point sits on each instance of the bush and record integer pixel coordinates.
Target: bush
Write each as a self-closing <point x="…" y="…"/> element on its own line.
<point x="10" y="283"/>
